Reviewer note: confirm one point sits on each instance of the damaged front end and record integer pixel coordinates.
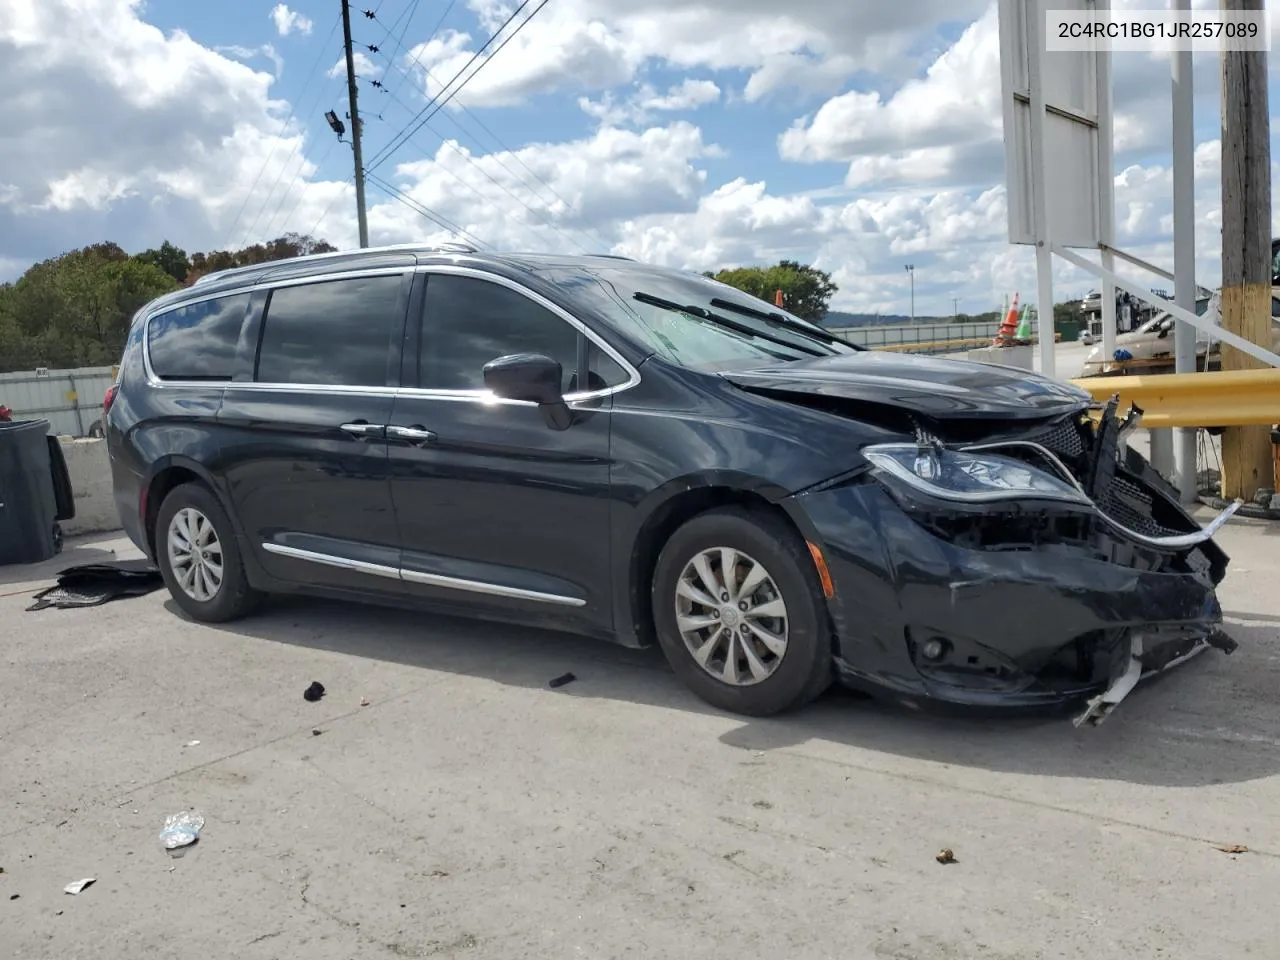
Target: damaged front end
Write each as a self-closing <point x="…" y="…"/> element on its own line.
<point x="1050" y="565"/>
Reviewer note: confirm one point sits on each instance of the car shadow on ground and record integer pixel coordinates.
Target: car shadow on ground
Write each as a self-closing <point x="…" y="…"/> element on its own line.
<point x="1190" y="727"/>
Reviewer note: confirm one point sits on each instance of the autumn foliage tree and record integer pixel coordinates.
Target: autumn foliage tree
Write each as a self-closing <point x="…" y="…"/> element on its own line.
<point x="806" y="291"/>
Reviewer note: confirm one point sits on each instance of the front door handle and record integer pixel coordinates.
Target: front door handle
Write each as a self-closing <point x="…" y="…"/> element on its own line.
<point x="415" y="435"/>
<point x="363" y="430"/>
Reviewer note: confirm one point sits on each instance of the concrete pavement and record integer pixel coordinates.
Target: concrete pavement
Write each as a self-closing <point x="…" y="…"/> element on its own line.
<point x="468" y="811"/>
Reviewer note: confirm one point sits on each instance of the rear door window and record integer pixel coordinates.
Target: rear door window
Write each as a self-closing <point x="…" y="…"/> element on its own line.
<point x="197" y="342"/>
<point x="469" y="321"/>
<point x="333" y="332"/>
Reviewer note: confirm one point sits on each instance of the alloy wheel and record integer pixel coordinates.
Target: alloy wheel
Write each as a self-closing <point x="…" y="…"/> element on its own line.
<point x="731" y="616"/>
<point x="195" y="554"/>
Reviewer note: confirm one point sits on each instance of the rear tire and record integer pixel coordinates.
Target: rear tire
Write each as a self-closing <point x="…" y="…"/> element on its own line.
<point x="199" y="557"/>
<point x="766" y="642"/>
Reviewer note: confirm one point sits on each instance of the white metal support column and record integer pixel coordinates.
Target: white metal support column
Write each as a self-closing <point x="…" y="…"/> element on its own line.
<point x="1184" y="247"/>
<point x="1040" y="191"/>
<point x="1107" y="194"/>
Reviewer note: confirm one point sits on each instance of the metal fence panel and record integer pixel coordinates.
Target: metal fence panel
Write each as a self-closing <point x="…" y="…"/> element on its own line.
<point x="899" y="337"/>
<point x="71" y="400"/>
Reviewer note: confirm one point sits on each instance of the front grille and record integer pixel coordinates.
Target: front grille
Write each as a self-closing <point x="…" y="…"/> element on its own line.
<point x="1128" y="504"/>
<point x="1092" y="456"/>
<point x="1066" y="440"/>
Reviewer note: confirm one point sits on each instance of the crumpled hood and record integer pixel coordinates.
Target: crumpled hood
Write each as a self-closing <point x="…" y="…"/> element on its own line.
<point x="930" y="386"/>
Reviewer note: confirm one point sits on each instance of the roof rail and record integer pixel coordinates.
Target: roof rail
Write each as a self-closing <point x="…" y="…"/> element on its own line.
<point x="449" y="247"/>
<point x="612" y="256"/>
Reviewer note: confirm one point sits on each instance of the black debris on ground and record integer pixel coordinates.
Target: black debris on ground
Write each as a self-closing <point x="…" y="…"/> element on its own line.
<point x="561" y="680"/>
<point x="90" y="584"/>
<point x="313" y="692"/>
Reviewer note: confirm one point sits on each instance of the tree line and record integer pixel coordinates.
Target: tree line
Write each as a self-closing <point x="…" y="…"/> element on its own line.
<point x="74" y="310"/>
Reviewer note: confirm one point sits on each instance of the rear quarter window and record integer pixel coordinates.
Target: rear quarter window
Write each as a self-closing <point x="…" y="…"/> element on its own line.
<point x="198" y="341"/>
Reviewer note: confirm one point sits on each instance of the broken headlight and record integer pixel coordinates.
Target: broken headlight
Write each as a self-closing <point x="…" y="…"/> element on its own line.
<point x="974" y="477"/>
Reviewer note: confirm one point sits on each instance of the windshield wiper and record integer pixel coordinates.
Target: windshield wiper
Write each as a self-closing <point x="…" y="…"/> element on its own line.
<point x="779" y="320"/>
<point x="703" y="314"/>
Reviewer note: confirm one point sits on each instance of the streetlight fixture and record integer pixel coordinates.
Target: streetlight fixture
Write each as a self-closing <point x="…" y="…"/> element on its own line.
<point x="911" y="272"/>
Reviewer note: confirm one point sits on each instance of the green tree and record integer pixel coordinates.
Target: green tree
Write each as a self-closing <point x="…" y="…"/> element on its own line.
<point x="172" y="260"/>
<point x="74" y="310"/>
<point x="806" y="291"/>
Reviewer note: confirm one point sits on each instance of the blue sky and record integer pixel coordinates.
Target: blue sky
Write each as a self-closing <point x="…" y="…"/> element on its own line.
<point x="698" y="133"/>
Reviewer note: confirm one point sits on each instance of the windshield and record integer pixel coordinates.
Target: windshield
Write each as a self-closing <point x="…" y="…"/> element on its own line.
<point x="692" y="320"/>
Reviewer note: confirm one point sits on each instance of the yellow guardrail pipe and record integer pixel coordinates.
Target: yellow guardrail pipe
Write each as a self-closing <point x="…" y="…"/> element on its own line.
<point x="1231" y="398"/>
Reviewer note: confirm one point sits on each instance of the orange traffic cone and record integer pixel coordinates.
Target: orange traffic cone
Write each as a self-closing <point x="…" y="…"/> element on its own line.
<point x="1009" y="328"/>
<point x="777" y="298"/>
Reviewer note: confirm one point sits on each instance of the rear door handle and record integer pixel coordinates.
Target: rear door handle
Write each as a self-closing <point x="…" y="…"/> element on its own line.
<point x="415" y="435"/>
<point x="363" y="430"/>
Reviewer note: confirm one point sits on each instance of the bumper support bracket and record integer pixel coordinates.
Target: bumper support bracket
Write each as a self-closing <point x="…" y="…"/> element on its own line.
<point x="1100" y="707"/>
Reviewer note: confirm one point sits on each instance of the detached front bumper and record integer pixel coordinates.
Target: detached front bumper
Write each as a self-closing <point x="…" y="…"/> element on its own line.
<point x="1017" y="604"/>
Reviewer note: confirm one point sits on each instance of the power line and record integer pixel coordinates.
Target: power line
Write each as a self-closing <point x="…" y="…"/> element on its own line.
<point x="302" y="193"/>
<point x="494" y="180"/>
<point x="501" y="146"/>
<point x="417" y="60"/>
<point x="386" y="151"/>
<point x="412" y="10"/>
<point x="284" y="196"/>
<point x="441" y="104"/>
<point x="466" y="183"/>
<point x="261" y="170"/>
<point x="422" y="209"/>
<point x="329" y="206"/>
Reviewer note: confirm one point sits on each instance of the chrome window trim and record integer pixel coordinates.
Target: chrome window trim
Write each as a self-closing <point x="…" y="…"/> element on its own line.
<point x="154" y="381"/>
<point x="426" y="393"/>
<point x="452" y="270"/>
<point x="414" y="576"/>
<point x="391" y="248"/>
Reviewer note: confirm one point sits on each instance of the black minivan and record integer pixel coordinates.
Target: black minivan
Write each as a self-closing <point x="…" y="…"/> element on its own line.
<point x="643" y="454"/>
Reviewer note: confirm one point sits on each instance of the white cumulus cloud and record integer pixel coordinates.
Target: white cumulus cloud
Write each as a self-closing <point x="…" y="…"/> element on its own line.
<point x="689" y="94"/>
<point x="289" y="21"/>
<point x="116" y="129"/>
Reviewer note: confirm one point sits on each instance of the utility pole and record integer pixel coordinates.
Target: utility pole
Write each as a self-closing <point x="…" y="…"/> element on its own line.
<point x="1246" y="245"/>
<point x="911" y="272"/>
<point x="355" y="125"/>
<point x="955" y="308"/>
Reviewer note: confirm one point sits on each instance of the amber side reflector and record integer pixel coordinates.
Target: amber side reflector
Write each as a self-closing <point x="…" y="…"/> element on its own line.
<point x="819" y="561"/>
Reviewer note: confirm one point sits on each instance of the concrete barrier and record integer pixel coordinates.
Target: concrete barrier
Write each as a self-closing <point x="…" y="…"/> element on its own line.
<point x="90" y="472"/>
<point x="1021" y="357"/>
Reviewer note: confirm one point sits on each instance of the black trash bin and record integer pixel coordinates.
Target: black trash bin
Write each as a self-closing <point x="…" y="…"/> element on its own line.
<point x="34" y="492"/>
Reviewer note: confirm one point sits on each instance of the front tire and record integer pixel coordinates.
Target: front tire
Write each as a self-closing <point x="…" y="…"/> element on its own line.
<point x="199" y="558"/>
<point x="740" y="615"/>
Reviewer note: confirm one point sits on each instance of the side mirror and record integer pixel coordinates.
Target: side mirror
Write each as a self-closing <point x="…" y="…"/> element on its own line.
<point x="525" y="376"/>
<point x="533" y="378"/>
